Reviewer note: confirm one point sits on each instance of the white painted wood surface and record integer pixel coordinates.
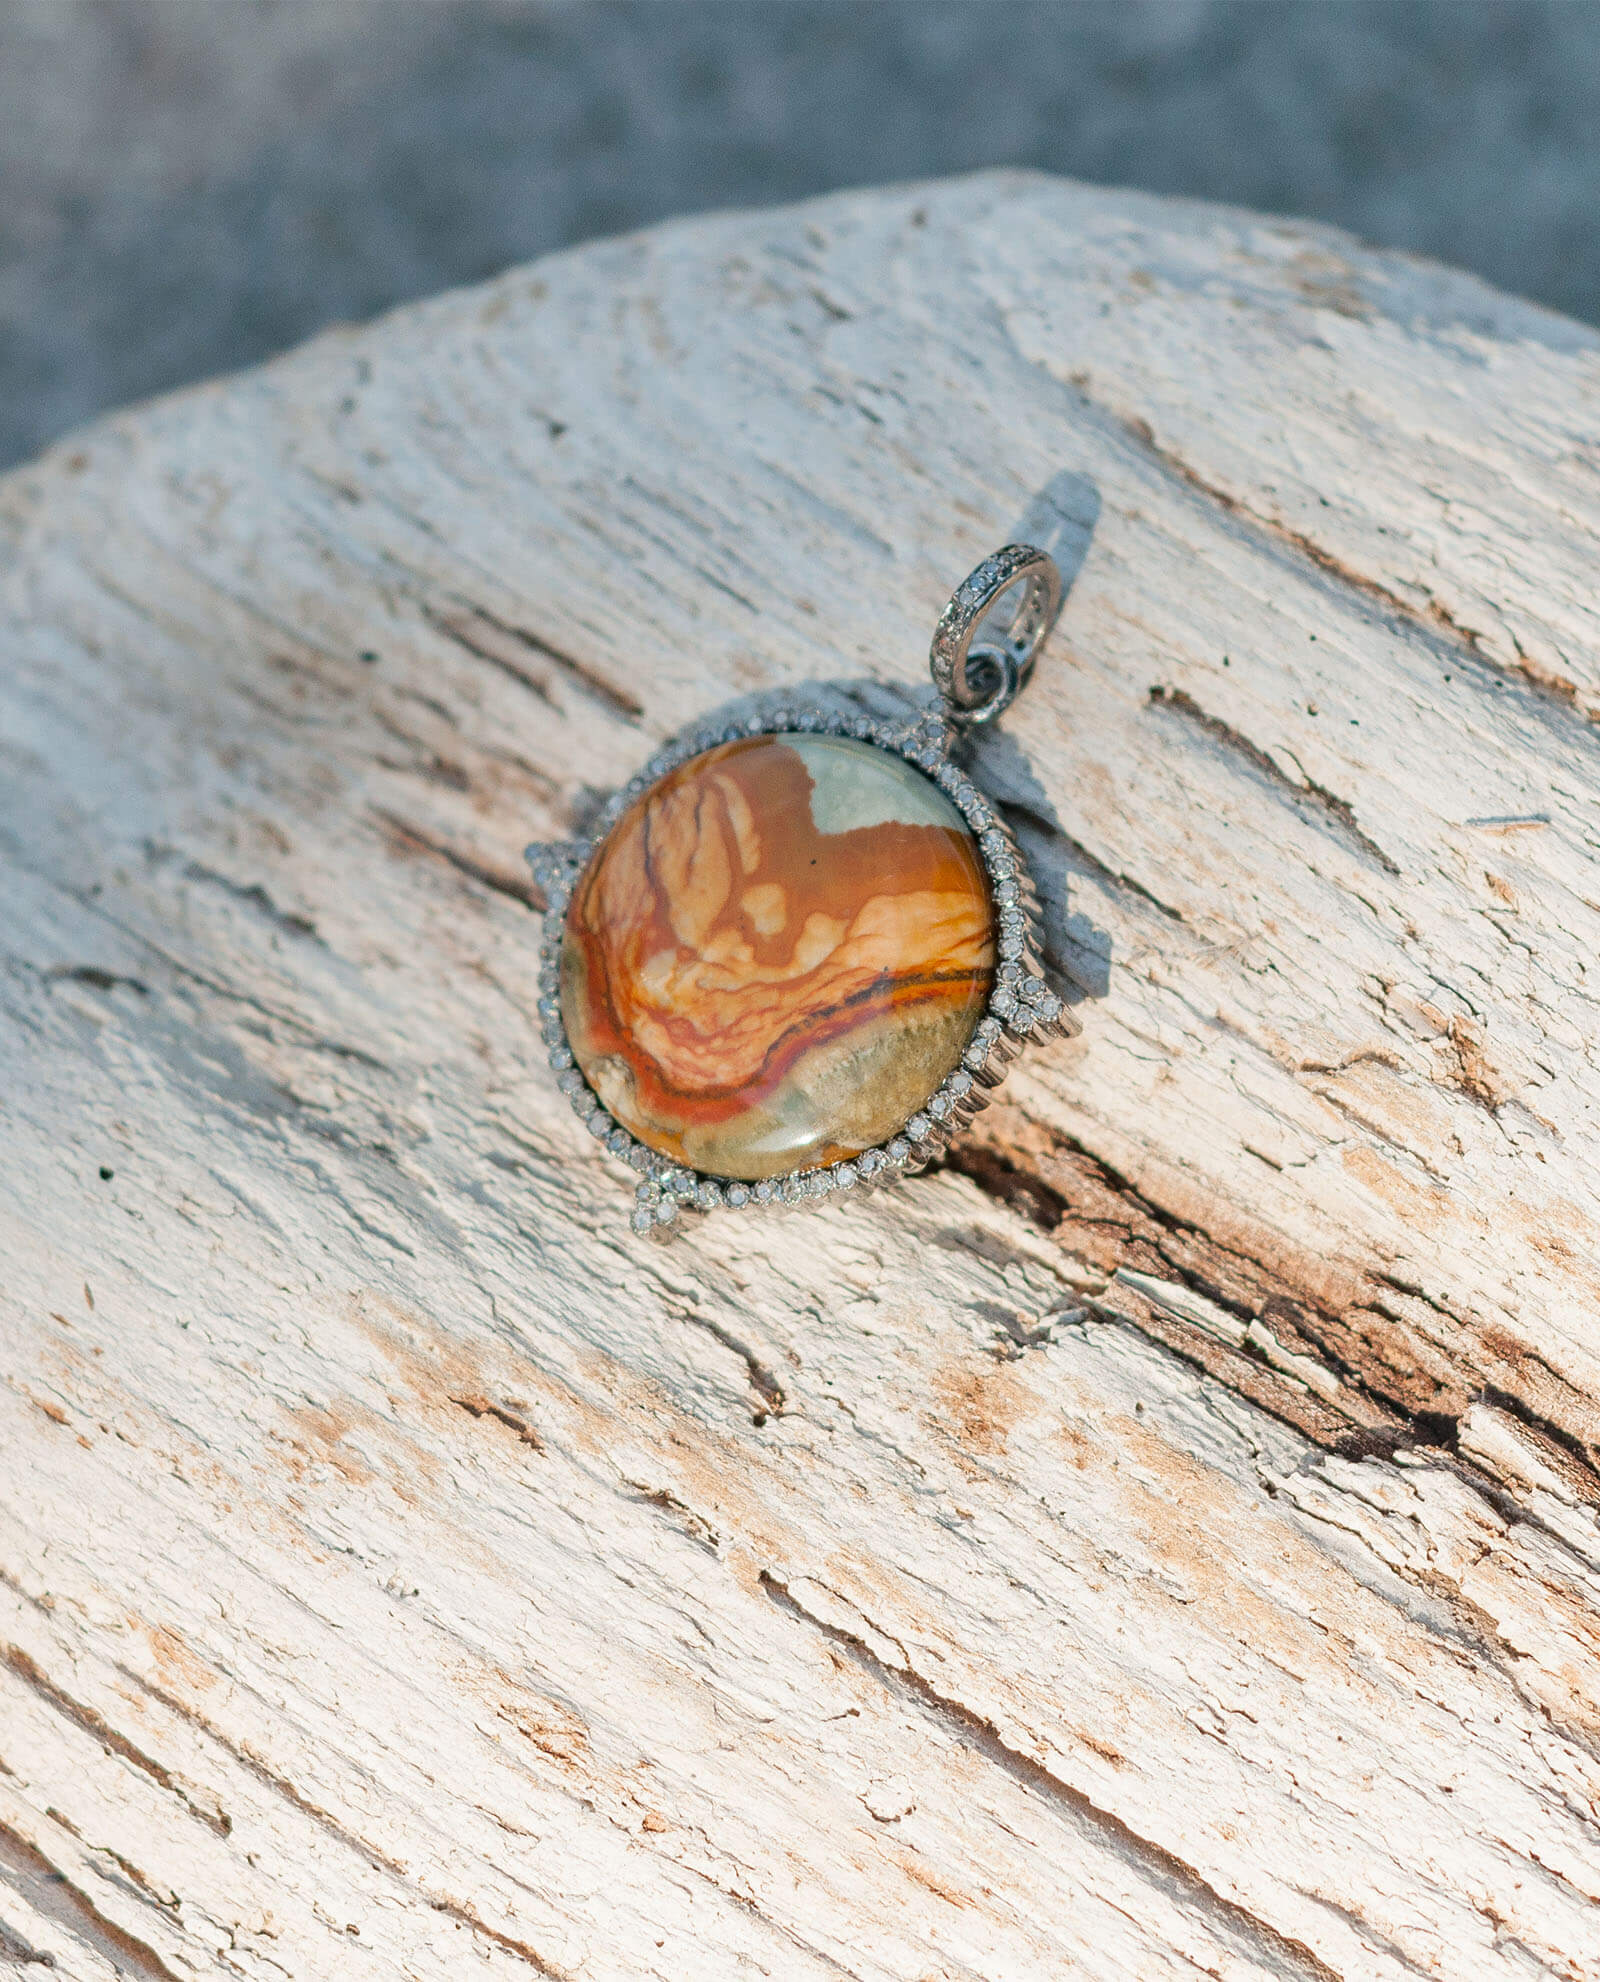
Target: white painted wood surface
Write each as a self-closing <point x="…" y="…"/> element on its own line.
<point x="1162" y="1543"/>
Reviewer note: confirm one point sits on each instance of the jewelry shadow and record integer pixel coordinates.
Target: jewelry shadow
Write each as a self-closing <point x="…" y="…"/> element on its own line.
<point x="1060" y="519"/>
<point x="1075" y="950"/>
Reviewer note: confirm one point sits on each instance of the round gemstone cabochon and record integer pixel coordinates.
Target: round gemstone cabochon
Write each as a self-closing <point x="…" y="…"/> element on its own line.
<point x="777" y="954"/>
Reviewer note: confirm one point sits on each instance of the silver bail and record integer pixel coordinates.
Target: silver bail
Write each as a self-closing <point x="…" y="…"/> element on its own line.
<point x="979" y="669"/>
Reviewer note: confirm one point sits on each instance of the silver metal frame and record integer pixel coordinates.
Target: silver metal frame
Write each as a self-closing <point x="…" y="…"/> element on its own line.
<point x="1020" y="1006"/>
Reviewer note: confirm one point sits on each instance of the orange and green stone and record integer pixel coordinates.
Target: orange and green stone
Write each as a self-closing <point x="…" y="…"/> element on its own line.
<point x="777" y="954"/>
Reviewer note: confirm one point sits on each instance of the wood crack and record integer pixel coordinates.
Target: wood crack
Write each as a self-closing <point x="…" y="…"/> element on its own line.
<point x="763" y="1379"/>
<point x="55" y="1897"/>
<point x="411" y="838"/>
<point x="1337" y="811"/>
<point x="100" y="1729"/>
<point x="1380" y="1389"/>
<point x="95" y="978"/>
<point x="513" y="649"/>
<point x="478" y="1406"/>
<point x="1248" y="1931"/>
<point x="1435" y="622"/>
<point x="369" y="1853"/>
<point x="20" y="1953"/>
<point x="253" y="895"/>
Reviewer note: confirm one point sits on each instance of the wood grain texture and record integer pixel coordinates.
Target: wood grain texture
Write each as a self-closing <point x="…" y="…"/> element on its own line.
<point x="1163" y="1542"/>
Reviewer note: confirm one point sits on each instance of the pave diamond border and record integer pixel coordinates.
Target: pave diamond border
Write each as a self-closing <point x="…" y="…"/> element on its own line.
<point x="1021" y="1005"/>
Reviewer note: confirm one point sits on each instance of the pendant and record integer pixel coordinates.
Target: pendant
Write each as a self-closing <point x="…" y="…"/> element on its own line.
<point x="798" y="951"/>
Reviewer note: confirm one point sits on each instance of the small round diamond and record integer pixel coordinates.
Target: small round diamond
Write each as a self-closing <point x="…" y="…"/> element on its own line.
<point x="619" y="1142"/>
<point x="643" y="1218"/>
<point x="707" y="1196"/>
<point x="736" y="1195"/>
<point x="1003" y="1003"/>
<point x="918" y="1127"/>
<point x="639" y="1157"/>
<point x="666" y="1211"/>
<point x="599" y="1125"/>
<point x="794" y="1189"/>
<point x="869" y="1162"/>
<point x="959" y="1084"/>
<point x="897" y="1150"/>
<point x="764" y="1192"/>
<point x="939" y="1107"/>
<point x="846" y="1176"/>
<point x="571" y="1082"/>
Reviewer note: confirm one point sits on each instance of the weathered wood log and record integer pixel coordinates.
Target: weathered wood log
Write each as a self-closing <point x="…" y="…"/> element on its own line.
<point x="1161" y="1542"/>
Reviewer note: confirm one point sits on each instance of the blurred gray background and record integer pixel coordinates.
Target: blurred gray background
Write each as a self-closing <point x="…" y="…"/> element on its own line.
<point x="187" y="185"/>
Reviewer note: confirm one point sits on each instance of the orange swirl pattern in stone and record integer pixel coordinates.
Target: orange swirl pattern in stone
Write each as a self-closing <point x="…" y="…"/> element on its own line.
<point x="777" y="954"/>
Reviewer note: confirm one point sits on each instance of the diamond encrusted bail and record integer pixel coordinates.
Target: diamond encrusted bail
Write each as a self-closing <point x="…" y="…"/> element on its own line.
<point x="980" y="671"/>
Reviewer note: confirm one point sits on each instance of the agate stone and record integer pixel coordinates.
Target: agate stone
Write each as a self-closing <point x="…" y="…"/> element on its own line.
<point x="777" y="954"/>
